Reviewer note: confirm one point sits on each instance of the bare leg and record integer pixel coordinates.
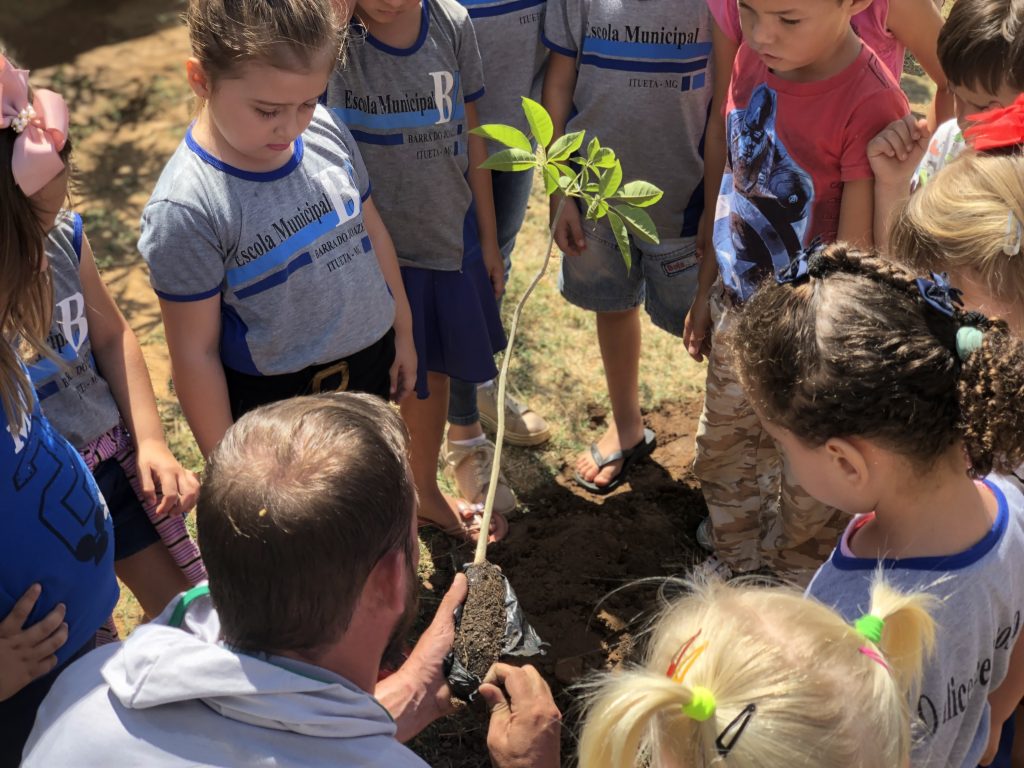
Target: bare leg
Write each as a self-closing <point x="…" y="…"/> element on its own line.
<point x="153" y="577"/>
<point x="618" y="334"/>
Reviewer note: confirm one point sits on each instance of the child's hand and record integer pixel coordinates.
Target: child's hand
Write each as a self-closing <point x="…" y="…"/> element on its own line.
<point x="160" y="473"/>
<point x="895" y="153"/>
<point x="495" y="269"/>
<point x="28" y="653"/>
<point x="403" y="369"/>
<point x="569" y="231"/>
<point x="697" y="328"/>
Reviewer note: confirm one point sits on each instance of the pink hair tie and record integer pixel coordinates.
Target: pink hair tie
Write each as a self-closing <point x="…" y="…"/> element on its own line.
<point x="41" y="125"/>
<point x="875" y="656"/>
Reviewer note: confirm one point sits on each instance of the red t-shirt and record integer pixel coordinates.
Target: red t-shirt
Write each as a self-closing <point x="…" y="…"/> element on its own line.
<point x="790" y="147"/>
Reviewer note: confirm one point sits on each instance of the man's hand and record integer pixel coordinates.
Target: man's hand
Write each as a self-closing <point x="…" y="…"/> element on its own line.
<point x="28" y="652"/>
<point x="525" y="724"/>
<point x="417" y="694"/>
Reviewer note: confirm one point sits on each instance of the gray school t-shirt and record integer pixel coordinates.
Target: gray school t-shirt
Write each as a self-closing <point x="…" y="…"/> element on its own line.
<point x="406" y="107"/>
<point x="980" y="600"/>
<point x="643" y="87"/>
<point x="286" y="251"/>
<point x="73" y="396"/>
<point x="508" y="33"/>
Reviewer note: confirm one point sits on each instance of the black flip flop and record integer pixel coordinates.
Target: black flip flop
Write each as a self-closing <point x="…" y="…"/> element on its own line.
<point x="629" y="457"/>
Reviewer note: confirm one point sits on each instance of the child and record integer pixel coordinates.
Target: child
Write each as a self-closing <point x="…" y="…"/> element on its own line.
<point x="103" y="375"/>
<point x="275" y="274"/>
<point x="507" y="33"/>
<point x="631" y="75"/>
<point x="57" y="580"/>
<point x="752" y="677"/>
<point x="892" y="404"/>
<point x="981" y="53"/>
<point x="803" y="101"/>
<point x="407" y="92"/>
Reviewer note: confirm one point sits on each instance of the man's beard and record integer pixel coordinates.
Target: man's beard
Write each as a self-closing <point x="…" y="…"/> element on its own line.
<point x="395" y="652"/>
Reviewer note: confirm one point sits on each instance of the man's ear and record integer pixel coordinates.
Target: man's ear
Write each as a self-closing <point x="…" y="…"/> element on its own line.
<point x="849" y="462"/>
<point x="388" y="581"/>
<point x="198" y="78"/>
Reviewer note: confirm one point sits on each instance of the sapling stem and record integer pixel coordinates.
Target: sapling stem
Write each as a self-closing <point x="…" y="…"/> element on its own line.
<point x="499" y="438"/>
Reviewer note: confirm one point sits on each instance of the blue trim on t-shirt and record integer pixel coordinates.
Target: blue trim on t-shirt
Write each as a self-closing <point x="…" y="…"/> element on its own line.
<point x="477" y="12"/>
<point x="475" y="94"/>
<point x="220" y="165"/>
<point x="283" y="251"/>
<point x="304" y="259"/>
<point x="944" y="563"/>
<point x="366" y="195"/>
<point x="625" y="65"/>
<point x="384" y="139"/>
<point x="424" y="28"/>
<point x="622" y="49"/>
<point x="556" y="47"/>
<point x="234" y="347"/>
<point x="187" y="296"/>
<point x="76" y="235"/>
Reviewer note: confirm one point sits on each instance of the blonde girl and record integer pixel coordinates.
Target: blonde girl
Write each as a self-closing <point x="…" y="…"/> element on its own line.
<point x="57" y="580"/>
<point x="753" y="677"/>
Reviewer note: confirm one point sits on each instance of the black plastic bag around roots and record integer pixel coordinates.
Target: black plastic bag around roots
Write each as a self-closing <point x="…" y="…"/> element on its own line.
<point x="520" y="640"/>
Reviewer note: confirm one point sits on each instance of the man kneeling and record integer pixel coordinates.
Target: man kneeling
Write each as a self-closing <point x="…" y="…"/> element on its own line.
<point x="307" y="524"/>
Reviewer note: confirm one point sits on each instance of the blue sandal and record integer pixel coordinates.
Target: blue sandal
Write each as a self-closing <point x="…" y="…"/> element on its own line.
<point x="629" y="458"/>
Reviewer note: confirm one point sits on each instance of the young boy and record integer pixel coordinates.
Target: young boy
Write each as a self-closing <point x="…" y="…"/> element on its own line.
<point x="981" y="52"/>
<point x="806" y="96"/>
<point x="636" y="75"/>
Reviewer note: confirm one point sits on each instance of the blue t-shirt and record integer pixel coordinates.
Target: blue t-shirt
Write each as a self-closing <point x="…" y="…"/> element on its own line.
<point x="58" y="529"/>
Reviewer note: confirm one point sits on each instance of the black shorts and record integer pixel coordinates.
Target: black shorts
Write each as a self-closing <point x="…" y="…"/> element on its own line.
<point x="133" y="531"/>
<point x="368" y="370"/>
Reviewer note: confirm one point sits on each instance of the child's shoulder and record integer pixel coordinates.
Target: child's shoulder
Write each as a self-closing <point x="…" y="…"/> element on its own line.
<point x="450" y="13"/>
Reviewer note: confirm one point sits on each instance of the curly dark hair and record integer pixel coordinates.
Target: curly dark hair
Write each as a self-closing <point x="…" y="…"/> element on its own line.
<point x="855" y="351"/>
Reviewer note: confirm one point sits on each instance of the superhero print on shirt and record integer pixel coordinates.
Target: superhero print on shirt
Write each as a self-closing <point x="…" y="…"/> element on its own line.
<point x="766" y="198"/>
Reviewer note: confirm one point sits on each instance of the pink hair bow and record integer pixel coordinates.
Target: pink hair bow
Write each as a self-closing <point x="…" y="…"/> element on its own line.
<point x="41" y="125"/>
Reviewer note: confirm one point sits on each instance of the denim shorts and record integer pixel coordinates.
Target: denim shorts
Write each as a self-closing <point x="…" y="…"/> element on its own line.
<point x="663" y="277"/>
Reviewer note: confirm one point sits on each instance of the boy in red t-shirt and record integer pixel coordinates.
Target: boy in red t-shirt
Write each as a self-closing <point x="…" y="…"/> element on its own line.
<point x="806" y="96"/>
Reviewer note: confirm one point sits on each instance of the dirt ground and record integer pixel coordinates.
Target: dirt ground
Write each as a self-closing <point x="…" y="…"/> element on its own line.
<point x="121" y="68"/>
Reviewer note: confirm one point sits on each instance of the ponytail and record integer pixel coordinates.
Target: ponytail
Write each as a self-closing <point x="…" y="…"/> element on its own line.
<point x="908" y="634"/>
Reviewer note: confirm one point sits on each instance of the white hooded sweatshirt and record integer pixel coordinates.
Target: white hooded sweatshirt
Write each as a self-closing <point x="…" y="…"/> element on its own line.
<point x="172" y="695"/>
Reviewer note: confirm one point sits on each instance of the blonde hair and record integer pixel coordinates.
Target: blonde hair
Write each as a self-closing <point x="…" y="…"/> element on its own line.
<point x="960" y="222"/>
<point x="288" y="34"/>
<point x="810" y="689"/>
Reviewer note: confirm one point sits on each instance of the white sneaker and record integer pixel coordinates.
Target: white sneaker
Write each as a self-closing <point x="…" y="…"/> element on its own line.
<point x="470" y="468"/>
<point x="712" y="569"/>
<point x="523" y="425"/>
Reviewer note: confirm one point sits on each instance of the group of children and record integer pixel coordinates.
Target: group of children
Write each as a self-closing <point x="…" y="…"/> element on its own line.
<point x="325" y="225"/>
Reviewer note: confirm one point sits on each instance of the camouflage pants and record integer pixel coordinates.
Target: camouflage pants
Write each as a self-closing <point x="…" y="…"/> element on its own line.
<point x="758" y="518"/>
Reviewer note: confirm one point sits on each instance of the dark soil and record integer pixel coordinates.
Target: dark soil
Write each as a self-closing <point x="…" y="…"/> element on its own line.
<point x="566" y="553"/>
<point x="481" y="632"/>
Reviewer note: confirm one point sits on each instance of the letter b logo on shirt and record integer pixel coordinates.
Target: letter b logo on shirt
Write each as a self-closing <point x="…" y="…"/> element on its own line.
<point x="444" y="82"/>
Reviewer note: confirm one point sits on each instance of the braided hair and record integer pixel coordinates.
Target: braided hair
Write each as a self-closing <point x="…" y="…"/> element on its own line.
<point x="857" y="350"/>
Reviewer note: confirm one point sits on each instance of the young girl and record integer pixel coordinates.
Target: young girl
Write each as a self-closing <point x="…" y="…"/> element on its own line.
<point x="57" y="580"/>
<point x="892" y="404"/>
<point x="638" y="76"/>
<point x="102" y="375"/>
<point x="406" y="91"/>
<point x="765" y="678"/>
<point x="275" y="274"/>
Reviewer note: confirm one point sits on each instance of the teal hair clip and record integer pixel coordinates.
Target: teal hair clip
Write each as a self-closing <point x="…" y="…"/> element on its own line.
<point x="968" y="339"/>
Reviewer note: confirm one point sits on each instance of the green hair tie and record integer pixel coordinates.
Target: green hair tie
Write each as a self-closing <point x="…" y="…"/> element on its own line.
<point x="870" y="628"/>
<point x="968" y="339"/>
<point x="702" y="706"/>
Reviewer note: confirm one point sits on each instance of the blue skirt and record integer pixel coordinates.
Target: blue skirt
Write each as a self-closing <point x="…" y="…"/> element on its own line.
<point x="456" y="326"/>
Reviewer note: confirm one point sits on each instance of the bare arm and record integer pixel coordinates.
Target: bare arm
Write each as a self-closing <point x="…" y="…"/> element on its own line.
<point x="856" y="213"/>
<point x="403" y="370"/>
<point x="1004" y="699"/>
<point x="916" y="24"/>
<point x="559" y="86"/>
<point x="193" y="340"/>
<point x="120" y="361"/>
<point x="483" y="197"/>
<point x="894" y="155"/>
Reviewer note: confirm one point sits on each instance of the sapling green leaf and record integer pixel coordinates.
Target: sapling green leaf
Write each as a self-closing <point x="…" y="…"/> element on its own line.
<point x="622" y="238"/>
<point x="550" y="179"/>
<point x="510" y="160"/>
<point x="564" y="146"/>
<point x="605" y="158"/>
<point x="638" y="221"/>
<point x="592" y="148"/>
<point x="507" y="135"/>
<point x="540" y="122"/>
<point x="640" y="194"/>
<point x="610" y="180"/>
